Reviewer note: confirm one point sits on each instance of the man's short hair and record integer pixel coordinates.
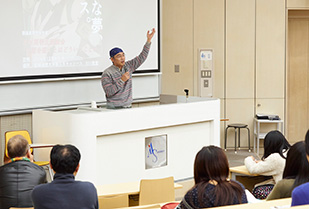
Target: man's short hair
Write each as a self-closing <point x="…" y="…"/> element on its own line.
<point x="17" y="146"/>
<point x="64" y="158"/>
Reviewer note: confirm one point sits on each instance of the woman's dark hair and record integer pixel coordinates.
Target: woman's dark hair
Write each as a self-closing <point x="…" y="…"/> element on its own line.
<point x="296" y="165"/>
<point x="307" y="142"/>
<point x="211" y="164"/>
<point x="275" y="142"/>
<point x="64" y="158"/>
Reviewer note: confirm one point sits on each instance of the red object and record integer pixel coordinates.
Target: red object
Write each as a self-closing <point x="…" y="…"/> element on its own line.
<point x="170" y="205"/>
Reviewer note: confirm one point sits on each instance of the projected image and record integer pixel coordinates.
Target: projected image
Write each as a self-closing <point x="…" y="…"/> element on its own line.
<point x="68" y="38"/>
<point x="62" y="33"/>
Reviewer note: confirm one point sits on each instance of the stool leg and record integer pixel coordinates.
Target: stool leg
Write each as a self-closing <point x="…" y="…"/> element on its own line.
<point x="225" y="138"/>
<point x="238" y="138"/>
<point x="235" y="139"/>
<point x="249" y="139"/>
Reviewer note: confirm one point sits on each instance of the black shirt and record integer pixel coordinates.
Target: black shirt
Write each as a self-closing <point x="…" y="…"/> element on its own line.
<point x="17" y="180"/>
<point x="65" y="193"/>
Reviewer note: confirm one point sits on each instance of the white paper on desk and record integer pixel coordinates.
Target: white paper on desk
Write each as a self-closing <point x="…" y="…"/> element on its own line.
<point x="250" y="197"/>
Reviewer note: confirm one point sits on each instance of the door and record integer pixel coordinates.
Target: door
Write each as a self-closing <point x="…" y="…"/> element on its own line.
<point x="297" y="75"/>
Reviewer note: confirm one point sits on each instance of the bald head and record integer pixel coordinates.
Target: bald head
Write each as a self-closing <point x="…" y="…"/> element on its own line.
<point x="17" y="146"/>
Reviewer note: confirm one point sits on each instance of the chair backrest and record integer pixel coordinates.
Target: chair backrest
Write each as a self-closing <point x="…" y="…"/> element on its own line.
<point x="10" y="134"/>
<point x="21" y="208"/>
<point x="154" y="191"/>
<point x="151" y="206"/>
<point x="117" y="201"/>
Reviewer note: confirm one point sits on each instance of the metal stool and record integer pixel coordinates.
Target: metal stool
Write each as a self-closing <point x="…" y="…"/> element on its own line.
<point x="237" y="126"/>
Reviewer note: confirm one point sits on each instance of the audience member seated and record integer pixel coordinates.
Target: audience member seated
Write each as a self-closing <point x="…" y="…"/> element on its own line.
<point x="64" y="192"/>
<point x="300" y="195"/>
<point x="296" y="172"/>
<point x="272" y="163"/>
<point x="19" y="176"/>
<point x="212" y="187"/>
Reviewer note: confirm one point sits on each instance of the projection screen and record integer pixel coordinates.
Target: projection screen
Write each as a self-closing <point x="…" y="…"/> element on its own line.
<point x="60" y="38"/>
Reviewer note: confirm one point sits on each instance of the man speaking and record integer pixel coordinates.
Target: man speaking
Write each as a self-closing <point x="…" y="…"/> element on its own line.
<point x="117" y="79"/>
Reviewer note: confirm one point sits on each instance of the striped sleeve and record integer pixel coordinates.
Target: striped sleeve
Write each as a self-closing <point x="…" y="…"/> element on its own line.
<point x="140" y="59"/>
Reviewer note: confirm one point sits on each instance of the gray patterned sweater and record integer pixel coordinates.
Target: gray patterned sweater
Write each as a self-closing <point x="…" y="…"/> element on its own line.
<point x="119" y="93"/>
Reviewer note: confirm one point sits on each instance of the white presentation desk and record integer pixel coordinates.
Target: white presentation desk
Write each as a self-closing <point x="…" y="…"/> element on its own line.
<point x="112" y="142"/>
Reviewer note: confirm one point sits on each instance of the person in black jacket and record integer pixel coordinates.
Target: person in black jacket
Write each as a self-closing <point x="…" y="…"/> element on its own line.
<point x="20" y="176"/>
<point x="64" y="191"/>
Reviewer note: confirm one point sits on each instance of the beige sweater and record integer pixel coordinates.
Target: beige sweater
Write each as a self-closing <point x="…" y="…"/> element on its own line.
<point x="273" y="166"/>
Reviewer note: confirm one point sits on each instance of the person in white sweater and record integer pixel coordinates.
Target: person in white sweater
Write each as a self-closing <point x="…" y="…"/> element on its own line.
<point x="272" y="162"/>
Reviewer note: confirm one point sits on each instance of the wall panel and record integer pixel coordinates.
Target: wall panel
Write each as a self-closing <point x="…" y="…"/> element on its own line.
<point x="177" y="46"/>
<point x="270" y="49"/>
<point x="293" y="4"/>
<point x="209" y="33"/>
<point x="240" y="48"/>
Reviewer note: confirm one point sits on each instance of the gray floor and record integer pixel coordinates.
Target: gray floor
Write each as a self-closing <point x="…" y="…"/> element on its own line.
<point x="238" y="158"/>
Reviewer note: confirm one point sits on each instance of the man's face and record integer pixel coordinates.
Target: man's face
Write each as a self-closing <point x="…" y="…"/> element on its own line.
<point x="119" y="59"/>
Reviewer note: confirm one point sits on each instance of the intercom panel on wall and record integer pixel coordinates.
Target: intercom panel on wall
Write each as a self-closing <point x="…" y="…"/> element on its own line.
<point x="205" y="72"/>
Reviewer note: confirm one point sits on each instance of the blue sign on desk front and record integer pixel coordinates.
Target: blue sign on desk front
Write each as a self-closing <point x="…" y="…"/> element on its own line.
<point x="155" y="151"/>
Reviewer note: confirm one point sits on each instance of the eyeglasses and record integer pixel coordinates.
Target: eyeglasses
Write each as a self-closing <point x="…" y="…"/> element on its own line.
<point x="118" y="56"/>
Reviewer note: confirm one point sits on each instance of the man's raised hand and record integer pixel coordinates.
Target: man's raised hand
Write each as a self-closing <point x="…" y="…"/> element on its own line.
<point x="150" y="35"/>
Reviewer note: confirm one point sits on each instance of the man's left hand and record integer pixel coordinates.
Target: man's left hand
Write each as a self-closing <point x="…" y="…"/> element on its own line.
<point x="150" y="35"/>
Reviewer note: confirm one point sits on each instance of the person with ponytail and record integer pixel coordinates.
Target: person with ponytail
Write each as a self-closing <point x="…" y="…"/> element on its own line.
<point x="295" y="172"/>
<point x="212" y="187"/>
<point x="272" y="163"/>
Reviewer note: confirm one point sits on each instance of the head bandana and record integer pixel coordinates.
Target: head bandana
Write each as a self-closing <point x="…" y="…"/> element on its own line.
<point x="114" y="51"/>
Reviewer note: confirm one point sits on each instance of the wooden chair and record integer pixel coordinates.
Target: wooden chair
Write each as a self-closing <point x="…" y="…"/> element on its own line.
<point x="154" y="191"/>
<point x="21" y="208"/>
<point x="26" y="135"/>
<point x="117" y="201"/>
<point x="157" y="206"/>
<point x="152" y="206"/>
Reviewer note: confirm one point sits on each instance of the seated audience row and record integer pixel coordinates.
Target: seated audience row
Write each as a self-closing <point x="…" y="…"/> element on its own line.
<point x="282" y="161"/>
<point x="23" y="183"/>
